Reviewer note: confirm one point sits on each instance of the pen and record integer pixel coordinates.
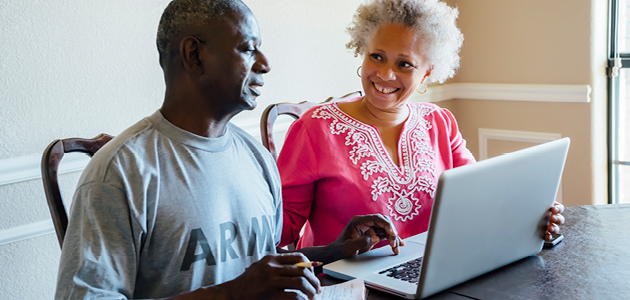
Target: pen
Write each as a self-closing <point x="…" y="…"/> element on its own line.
<point x="306" y="264"/>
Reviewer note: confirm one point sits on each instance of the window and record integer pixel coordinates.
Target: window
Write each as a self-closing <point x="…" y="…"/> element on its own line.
<point x="619" y="102"/>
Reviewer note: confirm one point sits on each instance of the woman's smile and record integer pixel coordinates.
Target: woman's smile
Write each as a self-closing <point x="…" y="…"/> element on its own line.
<point x="384" y="89"/>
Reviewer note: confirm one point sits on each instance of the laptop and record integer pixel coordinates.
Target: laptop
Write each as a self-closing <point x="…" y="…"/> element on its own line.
<point x="485" y="215"/>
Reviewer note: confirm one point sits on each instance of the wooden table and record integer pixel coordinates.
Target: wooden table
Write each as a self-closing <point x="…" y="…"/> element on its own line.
<point x="593" y="262"/>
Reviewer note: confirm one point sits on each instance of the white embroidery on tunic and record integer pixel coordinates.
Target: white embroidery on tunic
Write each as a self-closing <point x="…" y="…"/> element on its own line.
<point x="416" y="172"/>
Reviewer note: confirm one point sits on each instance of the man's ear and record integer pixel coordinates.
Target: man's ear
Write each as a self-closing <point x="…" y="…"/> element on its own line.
<point x="189" y="50"/>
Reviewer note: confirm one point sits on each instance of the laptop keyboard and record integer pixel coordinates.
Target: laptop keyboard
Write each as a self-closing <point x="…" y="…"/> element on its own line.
<point x="407" y="271"/>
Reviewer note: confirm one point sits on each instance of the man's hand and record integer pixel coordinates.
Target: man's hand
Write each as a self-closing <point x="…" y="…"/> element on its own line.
<point x="363" y="232"/>
<point x="269" y="277"/>
<point x="556" y="218"/>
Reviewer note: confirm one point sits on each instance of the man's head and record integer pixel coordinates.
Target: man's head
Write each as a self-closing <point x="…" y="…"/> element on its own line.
<point x="212" y="46"/>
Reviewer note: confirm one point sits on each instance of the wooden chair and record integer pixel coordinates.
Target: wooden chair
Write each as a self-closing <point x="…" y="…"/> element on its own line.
<point x="294" y="110"/>
<point x="50" y="165"/>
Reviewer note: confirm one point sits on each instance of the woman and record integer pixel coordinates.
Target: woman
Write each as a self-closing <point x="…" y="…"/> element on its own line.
<point x="378" y="153"/>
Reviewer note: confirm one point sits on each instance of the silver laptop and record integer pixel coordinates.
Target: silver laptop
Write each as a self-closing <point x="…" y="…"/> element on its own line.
<point x="485" y="215"/>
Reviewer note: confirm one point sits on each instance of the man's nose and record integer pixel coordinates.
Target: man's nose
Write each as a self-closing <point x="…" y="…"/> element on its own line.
<point x="262" y="65"/>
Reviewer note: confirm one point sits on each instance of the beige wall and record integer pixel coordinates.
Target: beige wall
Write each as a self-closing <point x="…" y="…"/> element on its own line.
<point x="534" y="41"/>
<point x="78" y="68"/>
<point x="539" y="42"/>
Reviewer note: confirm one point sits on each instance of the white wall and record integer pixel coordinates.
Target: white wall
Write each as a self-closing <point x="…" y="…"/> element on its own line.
<point x="79" y="68"/>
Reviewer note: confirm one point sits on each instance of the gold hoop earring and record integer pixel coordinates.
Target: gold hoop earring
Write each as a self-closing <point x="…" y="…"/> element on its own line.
<point x="359" y="68"/>
<point x="425" y="89"/>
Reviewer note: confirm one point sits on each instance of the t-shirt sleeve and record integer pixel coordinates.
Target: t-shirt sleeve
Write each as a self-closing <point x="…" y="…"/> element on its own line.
<point x="276" y="188"/>
<point x="461" y="154"/>
<point x="298" y="172"/>
<point x="99" y="254"/>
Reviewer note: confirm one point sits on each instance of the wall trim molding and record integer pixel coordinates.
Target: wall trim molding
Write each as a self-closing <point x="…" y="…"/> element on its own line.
<point x="24" y="168"/>
<point x="27" y="231"/>
<point x="486" y="134"/>
<point x="571" y="93"/>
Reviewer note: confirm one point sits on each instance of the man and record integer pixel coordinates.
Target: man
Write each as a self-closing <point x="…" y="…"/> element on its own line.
<point x="184" y="204"/>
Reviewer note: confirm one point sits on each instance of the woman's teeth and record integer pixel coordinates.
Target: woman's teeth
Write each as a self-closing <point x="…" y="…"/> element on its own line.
<point x="384" y="89"/>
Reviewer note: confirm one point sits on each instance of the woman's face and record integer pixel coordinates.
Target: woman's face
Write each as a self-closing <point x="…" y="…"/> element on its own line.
<point x="393" y="67"/>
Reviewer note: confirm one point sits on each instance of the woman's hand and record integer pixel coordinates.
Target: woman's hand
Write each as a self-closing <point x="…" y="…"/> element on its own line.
<point x="363" y="232"/>
<point x="556" y="218"/>
<point x="359" y="235"/>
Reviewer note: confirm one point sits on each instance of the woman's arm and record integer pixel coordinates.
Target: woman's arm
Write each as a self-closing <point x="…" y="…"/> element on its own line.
<point x="461" y="155"/>
<point x="297" y="165"/>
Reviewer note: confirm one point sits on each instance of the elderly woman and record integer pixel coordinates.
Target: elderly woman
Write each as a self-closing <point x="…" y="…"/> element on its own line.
<point x="379" y="153"/>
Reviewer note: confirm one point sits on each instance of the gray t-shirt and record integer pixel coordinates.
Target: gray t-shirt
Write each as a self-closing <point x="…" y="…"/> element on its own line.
<point x="160" y="211"/>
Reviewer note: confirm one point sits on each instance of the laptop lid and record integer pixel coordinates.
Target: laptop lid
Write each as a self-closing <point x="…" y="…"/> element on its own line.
<point x="489" y="214"/>
<point x="485" y="215"/>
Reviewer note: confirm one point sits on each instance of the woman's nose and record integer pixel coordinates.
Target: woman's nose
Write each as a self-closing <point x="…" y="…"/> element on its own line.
<point x="386" y="73"/>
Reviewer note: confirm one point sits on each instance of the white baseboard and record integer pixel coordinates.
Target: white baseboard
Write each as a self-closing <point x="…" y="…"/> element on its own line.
<point x="486" y="134"/>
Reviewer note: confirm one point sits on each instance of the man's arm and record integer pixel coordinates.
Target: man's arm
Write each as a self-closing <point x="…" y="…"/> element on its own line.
<point x="98" y="258"/>
<point x="268" y="278"/>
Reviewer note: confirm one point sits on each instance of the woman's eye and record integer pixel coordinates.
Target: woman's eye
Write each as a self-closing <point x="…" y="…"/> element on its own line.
<point x="405" y="64"/>
<point x="375" y="56"/>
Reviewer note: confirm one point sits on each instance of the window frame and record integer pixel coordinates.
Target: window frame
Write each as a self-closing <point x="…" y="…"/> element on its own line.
<point x="613" y="101"/>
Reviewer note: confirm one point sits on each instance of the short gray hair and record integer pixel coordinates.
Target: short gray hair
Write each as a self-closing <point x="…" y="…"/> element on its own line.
<point x="182" y="14"/>
<point x="433" y="21"/>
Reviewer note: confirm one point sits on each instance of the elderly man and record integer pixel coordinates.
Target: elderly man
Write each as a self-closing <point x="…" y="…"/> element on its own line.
<point x="184" y="204"/>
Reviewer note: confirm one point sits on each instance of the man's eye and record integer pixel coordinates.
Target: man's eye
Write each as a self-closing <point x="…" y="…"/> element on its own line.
<point x="248" y="48"/>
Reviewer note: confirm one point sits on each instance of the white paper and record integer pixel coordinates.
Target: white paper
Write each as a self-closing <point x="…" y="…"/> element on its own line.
<point x="349" y="290"/>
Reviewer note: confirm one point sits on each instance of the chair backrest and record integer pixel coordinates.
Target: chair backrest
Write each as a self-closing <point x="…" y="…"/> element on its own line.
<point x="294" y="110"/>
<point x="50" y="165"/>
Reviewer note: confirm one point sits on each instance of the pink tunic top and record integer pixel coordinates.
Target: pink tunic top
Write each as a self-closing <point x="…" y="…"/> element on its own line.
<point x="334" y="167"/>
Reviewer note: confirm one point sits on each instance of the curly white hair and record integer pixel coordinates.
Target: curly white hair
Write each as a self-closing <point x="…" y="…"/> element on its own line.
<point x="433" y="20"/>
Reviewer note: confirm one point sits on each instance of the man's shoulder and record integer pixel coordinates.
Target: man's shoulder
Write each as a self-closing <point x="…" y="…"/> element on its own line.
<point x="243" y="136"/>
<point x="131" y="139"/>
